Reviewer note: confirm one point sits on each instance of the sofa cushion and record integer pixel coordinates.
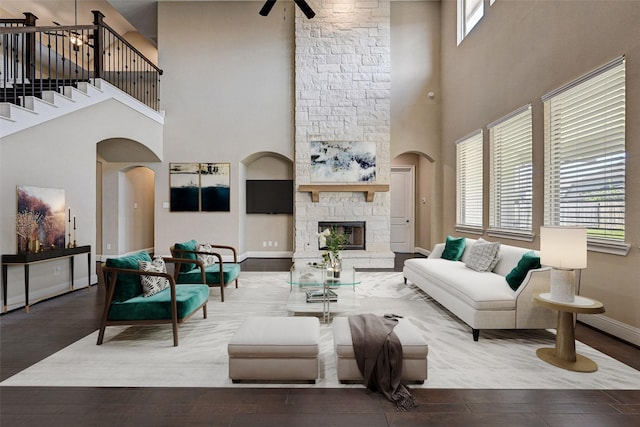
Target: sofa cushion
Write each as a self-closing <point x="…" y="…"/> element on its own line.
<point x="191" y="245"/>
<point x="482" y="291"/>
<point x="153" y="284"/>
<point x="212" y="272"/>
<point x="158" y="306"/>
<point x="454" y="248"/>
<point x="127" y="285"/>
<point x="528" y="262"/>
<point x="509" y="258"/>
<point x="483" y="255"/>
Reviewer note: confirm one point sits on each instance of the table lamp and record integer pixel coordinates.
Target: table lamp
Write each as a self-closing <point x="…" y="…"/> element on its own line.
<point x="564" y="249"/>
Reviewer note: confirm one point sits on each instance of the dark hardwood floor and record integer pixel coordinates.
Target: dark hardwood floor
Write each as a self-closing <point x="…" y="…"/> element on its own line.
<point x="51" y="325"/>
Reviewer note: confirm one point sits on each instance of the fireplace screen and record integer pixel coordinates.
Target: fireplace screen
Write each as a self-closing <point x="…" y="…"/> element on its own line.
<point x="354" y="230"/>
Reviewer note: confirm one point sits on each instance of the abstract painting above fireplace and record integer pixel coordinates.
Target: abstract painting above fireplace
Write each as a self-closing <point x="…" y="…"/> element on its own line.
<point x="343" y="161"/>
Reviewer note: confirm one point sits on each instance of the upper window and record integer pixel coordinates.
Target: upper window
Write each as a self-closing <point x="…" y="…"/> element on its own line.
<point x="470" y="12"/>
<point x="469" y="181"/>
<point x="585" y="153"/>
<point x="511" y="172"/>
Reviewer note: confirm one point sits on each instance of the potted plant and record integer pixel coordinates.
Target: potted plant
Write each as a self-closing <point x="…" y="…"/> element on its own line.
<point x="334" y="242"/>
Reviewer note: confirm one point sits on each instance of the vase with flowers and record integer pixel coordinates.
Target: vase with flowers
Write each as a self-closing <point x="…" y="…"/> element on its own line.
<point x="333" y="241"/>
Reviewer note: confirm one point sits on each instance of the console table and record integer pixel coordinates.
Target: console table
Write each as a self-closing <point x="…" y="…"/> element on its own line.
<point x="564" y="355"/>
<point x="27" y="259"/>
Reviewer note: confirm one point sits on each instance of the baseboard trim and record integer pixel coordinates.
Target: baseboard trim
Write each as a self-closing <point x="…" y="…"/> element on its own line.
<point x="421" y="251"/>
<point x="268" y="254"/>
<point x="611" y="326"/>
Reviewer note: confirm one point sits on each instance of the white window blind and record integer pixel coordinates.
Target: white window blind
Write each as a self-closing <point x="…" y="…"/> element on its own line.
<point x="585" y="153"/>
<point x="470" y="12"/>
<point x="469" y="180"/>
<point x="511" y="172"/>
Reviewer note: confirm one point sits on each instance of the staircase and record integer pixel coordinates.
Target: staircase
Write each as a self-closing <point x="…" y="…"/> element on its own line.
<point x="45" y="75"/>
<point x="39" y="107"/>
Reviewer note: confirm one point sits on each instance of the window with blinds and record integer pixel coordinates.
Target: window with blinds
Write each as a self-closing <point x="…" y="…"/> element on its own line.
<point x="470" y="12"/>
<point x="469" y="180"/>
<point x="511" y="172"/>
<point x="585" y="153"/>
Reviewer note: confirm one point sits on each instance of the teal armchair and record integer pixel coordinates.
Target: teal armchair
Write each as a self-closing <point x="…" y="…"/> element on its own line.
<point x="204" y="264"/>
<point x="126" y="303"/>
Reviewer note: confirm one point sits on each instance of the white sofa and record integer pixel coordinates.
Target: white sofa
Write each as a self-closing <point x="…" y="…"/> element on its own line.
<point x="483" y="300"/>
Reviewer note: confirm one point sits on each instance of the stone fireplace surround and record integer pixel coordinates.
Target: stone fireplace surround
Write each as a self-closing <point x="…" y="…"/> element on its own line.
<point x="342" y="94"/>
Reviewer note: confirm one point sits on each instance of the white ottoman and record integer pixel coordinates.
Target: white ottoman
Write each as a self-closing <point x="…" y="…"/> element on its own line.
<point x="414" y="352"/>
<point x="275" y="349"/>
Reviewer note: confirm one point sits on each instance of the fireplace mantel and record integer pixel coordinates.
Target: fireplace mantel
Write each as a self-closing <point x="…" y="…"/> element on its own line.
<point x="369" y="189"/>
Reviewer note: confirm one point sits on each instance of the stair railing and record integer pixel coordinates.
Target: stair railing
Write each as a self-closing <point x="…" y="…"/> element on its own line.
<point x="37" y="59"/>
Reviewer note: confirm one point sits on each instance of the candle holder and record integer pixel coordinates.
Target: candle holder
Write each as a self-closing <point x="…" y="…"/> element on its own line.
<point x="74" y="231"/>
<point x="69" y="242"/>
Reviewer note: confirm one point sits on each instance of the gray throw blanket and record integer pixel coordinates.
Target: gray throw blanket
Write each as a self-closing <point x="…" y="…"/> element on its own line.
<point x="378" y="354"/>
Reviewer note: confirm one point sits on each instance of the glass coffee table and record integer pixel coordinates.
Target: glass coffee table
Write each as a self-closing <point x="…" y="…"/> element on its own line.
<point x="312" y="290"/>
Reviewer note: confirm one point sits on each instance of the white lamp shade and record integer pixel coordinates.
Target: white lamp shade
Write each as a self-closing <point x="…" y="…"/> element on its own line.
<point x="563" y="247"/>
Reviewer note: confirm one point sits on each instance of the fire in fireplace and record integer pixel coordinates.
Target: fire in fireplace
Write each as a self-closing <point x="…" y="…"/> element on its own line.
<point x="354" y="230"/>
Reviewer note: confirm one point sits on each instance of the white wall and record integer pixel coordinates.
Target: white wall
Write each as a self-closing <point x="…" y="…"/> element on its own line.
<point x="138" y="208"/>
<point x="61" y="153"/>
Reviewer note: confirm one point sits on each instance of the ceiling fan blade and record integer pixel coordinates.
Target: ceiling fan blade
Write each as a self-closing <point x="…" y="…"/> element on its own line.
<point x="267" y="7"/>
<point x="305" y="8"/>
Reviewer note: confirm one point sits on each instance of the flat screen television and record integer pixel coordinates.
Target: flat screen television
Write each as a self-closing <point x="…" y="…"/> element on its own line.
<point x="269" y="196"/>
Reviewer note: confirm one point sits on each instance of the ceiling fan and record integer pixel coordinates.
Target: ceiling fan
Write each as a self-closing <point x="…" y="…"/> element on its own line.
<point x="302" y="4"/>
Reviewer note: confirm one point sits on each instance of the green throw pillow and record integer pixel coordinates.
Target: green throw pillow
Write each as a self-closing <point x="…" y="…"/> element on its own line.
<point x="191" y="245"/>
<point x="529" y="261"/>
<point x="454" y="248"/>
<point x="128" y="285"/>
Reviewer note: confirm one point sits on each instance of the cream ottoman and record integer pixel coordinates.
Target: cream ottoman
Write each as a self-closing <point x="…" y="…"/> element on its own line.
<point x="414" y="352"/>
<point x="275" y="349"/>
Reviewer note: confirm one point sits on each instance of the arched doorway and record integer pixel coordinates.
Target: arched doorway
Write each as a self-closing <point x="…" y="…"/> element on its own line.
<point x="125" y="198"/>
<point x="412" y="175"/>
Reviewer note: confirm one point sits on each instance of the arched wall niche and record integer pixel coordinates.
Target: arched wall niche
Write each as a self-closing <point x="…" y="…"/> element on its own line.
<point x="266" y="236"/>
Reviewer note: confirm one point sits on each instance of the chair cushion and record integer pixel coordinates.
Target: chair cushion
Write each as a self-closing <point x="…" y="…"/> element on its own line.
<point x="230" y="272"/>
<point x="158" y="306"/>
<point x="128" y="285"/>
<point x="191" y="245"/>
<point x="153" y="284"/>
<point x="206" y="259"/>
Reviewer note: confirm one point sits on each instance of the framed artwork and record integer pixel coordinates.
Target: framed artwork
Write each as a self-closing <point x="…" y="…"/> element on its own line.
<point x="199" y="187"/>
<point x="40" y="219"/>
<point x="343" y="161"/>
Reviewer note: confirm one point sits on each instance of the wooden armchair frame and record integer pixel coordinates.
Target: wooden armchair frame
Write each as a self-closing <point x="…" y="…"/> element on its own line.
<point x="179" y="259"/>
<point x="110" y="275"/>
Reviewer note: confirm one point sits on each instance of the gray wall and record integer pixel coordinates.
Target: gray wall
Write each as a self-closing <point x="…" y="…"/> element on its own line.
<point x="228" y="94"/>
<point x="517" y="53"/>
<point x="415" y="116"/>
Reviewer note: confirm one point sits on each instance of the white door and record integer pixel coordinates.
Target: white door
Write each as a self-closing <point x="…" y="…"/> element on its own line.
<point x="402" y="209"/>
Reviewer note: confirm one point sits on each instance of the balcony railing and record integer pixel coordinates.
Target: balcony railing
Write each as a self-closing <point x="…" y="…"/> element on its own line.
<point x="36" y="59"/>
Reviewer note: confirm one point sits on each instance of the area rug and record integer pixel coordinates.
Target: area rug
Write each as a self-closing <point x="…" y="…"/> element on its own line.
<point x="144" y="356"/>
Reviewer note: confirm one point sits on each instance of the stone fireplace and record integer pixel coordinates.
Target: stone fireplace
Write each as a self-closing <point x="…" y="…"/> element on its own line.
<point x="342" y="79"/>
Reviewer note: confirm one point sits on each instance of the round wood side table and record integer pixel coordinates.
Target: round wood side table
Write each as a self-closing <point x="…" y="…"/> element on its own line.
<point x="564" y="355"/>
